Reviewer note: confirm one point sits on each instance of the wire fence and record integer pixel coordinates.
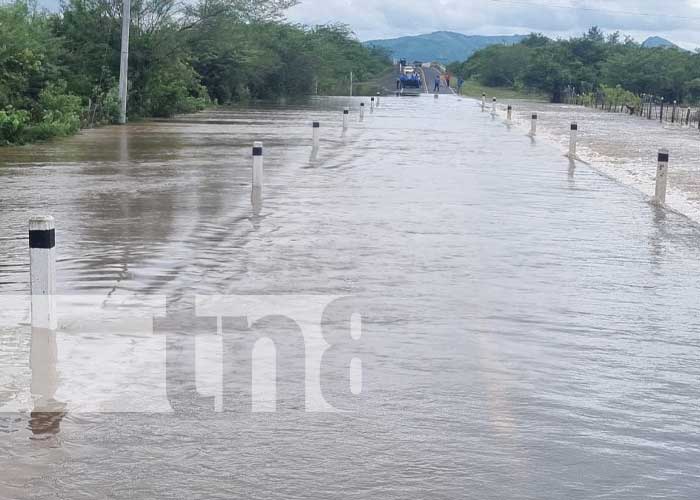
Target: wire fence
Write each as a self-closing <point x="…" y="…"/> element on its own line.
<point x="646" y="106"/>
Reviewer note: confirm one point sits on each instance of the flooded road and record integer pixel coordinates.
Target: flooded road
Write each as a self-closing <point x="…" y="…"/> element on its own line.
<point x="529" y="326"/>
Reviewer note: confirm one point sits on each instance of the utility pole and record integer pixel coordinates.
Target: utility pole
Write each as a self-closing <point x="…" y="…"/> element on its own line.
<point x="124" y="66"/>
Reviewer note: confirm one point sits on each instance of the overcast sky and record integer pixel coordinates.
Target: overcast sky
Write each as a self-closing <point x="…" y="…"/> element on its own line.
<point x="677" y="20"/>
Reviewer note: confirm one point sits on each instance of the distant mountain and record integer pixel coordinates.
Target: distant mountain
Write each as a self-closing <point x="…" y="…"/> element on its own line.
<point x="657" y="41"/>
<point x="441" y="46"/>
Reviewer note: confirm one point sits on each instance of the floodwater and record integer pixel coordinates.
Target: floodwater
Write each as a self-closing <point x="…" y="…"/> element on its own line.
<point x="625" y="148"/>
<point x="529" y="325"/>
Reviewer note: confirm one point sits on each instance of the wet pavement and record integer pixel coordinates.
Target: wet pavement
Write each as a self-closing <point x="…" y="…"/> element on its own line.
<point x="529" y="325"/>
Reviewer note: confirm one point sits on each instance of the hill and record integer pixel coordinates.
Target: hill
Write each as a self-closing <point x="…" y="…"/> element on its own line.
<point x="441" y="46"/>
<point x="657" y="41"/>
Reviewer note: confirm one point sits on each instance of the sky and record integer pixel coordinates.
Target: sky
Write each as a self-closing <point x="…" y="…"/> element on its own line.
<point x="676" y="20"/>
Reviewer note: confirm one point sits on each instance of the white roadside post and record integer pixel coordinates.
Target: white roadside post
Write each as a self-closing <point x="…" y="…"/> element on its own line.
<point x="362" y="111"/>
<point x="533" y="125"/>
<point x="493" y="107"/>
<point x="483" y="101"/>
<point x="316" y="134"/>
<point x="257" y="165"/>
<point x="509" y="114"/>
<point x="572" y="140"/>
<point x="661" y="177"/>
<point x="377" y="99"/>
<point x="371" y="104"/>
<point x="346" y="112"/>
<point x="42" y="271"/>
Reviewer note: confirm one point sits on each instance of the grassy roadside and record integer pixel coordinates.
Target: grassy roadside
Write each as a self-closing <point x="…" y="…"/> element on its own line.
<point x="382" y="81"/>
<point x="474" y="89"/>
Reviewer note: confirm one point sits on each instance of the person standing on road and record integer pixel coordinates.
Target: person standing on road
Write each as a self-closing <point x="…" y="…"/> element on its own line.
<point x="460" y="82"/>
<point x="447" y="80"/>
<point x="437" y="84"/>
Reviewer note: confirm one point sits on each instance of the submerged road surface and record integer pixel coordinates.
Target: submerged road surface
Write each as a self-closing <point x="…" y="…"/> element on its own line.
<point x="529" y="327"/>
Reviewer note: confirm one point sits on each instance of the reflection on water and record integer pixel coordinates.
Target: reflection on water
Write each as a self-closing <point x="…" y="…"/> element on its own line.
<point x="528" y="325"/>
<point x="45" y="419"/>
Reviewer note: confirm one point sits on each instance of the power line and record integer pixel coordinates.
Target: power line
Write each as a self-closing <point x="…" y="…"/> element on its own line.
<point x="595" y="9"/>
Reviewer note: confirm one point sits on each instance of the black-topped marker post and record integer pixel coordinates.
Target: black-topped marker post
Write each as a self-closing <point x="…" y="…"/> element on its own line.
<point x="661" y="177"/>
<point x="316" y="133"/>
<point x="483" y="101"/>
<point x="346" y="112"/>
<point x="371" y="104"/>
<point x="42" y="271"/>
<point x="362" y="111"/>
<point x="533" y="125"/>
<point x="509" y="113"/>
<point x="572" y="140"/>
<point x="493" y="107"/>
<point x="257" y="165"/>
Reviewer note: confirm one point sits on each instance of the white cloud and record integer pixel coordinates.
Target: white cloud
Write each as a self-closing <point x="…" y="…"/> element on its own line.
<point x="676" y="20"/>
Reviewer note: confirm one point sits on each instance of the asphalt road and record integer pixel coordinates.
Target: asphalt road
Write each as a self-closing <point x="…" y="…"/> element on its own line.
<point x="430" y="74"/>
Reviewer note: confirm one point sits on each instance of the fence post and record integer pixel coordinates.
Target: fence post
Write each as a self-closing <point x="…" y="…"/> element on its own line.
<point x="673" y="113"/>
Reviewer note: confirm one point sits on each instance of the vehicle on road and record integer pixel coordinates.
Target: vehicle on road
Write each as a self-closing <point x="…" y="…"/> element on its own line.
<point x="409" y="82"/>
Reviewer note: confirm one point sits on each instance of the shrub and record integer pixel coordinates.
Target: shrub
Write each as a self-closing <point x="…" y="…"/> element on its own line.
<point x="13" y="124"/>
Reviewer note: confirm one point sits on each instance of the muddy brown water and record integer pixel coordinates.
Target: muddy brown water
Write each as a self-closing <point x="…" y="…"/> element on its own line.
<point x="529" y="327"/>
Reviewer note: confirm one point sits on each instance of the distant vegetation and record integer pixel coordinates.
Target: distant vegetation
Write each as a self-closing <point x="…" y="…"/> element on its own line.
<point x="588" y="65"/>
<point x="441" y="46"/>
<point x="60" y="70"/>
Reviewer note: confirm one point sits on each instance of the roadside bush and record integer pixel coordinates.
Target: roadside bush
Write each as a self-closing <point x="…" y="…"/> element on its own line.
<point x="13" y="124"/>
<point x="57" y="114"/>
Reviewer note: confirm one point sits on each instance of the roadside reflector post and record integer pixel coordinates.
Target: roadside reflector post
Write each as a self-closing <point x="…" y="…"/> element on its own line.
<point x="362" y="111"/>
<point x="661" y="177"/>
<point x="572" y="140"/>
<point x="316" y="134"/>
<point x="371" y="104"/>
<point x="42" y="272"/>
<point x="377" y="99"/>
<point x="257" y="165"/>
<point x="493" y="107"/>
<point x="346" y="112"/>
<point x="483" y="101"/>
<point x="509" y="114"/>
<point x="533" y="125"/>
